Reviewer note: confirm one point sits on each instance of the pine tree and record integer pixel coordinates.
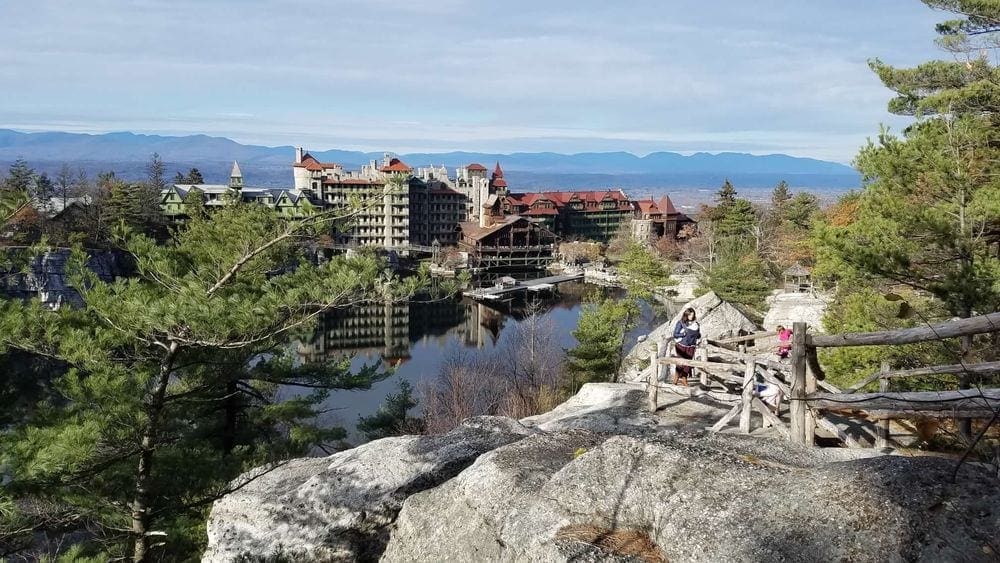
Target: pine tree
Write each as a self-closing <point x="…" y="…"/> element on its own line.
<point x="928" y="214"/>
<point x="20" y="177"/>
<point x="155" y="171"/>
<point x="44" y="189"/>
<point x="599" y="333"/>
<point x="155" y="357"/>
<point x="194" y="177"/>
<point x="391" y="418"/>
<point x="726" y="194"/>
<point x="780" y="195"/>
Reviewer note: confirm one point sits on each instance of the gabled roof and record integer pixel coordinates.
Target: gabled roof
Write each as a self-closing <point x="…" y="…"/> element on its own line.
<point x="473" y="231"/>
<point x="666" y="206"/>
<point x="797" y="270"/>
<point x="310" y="163"/>
<point x="396" y="165"/>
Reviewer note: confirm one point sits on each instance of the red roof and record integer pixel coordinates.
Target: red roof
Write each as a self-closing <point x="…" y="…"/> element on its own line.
<point x="498" y="172"/>
<point x="647" y="206"/>
<point x="667" y="206"/>
<point x="541" y="211"/>
<point x="664" y="206"/>
<point x="476" y="166"/>
<point x="396" y="165"/>
<point x="309" y="162"/>
<point x="499" y="183"/>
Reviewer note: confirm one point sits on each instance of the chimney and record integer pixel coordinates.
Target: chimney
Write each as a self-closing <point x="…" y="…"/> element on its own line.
<point x="298" y="155"/>
<point x="484" y="194"/>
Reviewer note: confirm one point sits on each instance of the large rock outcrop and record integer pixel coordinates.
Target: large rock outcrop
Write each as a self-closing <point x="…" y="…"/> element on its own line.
<point x="697" y="498"/>
<point x="600" y="479"/>
<point x="44" y="276"/>
<point x="717" y="319"/>
<point x="339" y="507"/>
<point x="787" y="308"/>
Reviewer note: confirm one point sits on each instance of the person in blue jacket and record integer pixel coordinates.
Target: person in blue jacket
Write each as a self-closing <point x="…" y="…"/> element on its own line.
<point x="686" y="336"/>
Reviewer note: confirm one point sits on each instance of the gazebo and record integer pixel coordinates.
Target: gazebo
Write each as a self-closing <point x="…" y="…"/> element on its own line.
<point x="798" y="278"/>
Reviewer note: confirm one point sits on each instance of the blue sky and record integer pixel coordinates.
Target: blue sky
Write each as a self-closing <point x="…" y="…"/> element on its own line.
<point x="437" y="75"/>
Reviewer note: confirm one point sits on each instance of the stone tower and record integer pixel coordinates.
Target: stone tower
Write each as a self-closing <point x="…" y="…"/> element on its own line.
<point x="236" y="177"/>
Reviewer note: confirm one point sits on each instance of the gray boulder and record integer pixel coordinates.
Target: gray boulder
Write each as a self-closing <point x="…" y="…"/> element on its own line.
<point x="717" y="319"/>
<point x="697" y="498"/>
<point x="787" y="308"/>
<point x="338" y="507"/>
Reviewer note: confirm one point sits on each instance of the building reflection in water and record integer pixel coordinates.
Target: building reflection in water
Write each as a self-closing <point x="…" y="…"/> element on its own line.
<point x="388" y="330"/>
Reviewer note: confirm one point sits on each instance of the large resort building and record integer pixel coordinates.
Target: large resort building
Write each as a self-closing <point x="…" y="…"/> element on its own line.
<point x="397" y="207"/>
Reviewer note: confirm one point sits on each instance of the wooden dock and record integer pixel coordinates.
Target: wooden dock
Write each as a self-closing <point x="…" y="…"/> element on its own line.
<point x="503" y="292"/>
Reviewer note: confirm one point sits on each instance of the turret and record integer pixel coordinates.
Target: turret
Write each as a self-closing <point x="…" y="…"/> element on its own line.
<point x="236" y="177"/>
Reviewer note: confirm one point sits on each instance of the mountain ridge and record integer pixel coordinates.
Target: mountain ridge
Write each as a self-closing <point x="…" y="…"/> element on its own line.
<point x="126" y="152"/>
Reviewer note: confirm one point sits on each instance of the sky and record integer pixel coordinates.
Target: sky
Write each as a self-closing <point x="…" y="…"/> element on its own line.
<point x="439" y="75"/>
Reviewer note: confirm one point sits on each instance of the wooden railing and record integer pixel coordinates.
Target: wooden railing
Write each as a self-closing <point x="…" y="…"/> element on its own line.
<point x="800" y="381"/>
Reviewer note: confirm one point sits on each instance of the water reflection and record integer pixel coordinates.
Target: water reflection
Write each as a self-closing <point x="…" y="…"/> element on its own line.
<point x="416" y="337"/>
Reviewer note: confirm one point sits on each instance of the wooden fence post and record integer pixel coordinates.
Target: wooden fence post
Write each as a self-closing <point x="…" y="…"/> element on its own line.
<point x="747" y="395"/>
<point x="809" y="430"/>
<point x="797" y="410"/>
<point x="702" y="354"/>
<point x="882" y="429"/>
<point x="653" y="379"/>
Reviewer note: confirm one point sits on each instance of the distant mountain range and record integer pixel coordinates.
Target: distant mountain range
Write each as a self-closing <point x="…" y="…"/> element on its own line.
<point x="127" y="154"/>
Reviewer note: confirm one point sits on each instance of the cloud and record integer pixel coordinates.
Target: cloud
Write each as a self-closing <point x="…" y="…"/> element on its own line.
<point x="465" y="74"/>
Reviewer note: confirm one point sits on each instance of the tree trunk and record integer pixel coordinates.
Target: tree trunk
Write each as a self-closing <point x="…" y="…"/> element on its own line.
<point x="965" y="382"/>
<point x="232" y="410"/>
<point x="154" y="409"/>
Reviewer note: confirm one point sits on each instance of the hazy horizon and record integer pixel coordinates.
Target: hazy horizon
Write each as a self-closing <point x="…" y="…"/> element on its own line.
<point x="449" y="75"/>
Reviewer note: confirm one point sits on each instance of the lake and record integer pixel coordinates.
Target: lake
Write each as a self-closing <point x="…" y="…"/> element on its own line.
<point x="415" y="338"/>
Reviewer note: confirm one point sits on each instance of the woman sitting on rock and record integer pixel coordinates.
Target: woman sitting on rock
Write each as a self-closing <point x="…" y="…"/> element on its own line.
<point x="686" y="336"/>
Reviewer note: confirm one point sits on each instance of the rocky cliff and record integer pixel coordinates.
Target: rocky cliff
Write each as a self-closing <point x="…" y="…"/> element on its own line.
<point x="44" y="276"/>
<point x="599" y="478"/>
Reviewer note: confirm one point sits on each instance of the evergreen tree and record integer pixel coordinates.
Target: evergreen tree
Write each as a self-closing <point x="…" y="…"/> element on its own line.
<point x="194" y="177"/>
<point x="20" y="177"/>
<point x="930" y="199"/>
<point x="928" y="212"/>
<point x="780" y="195"/>
<point x="180" y="178"/>
<point x="599" y="333"/>
<point x="44" y="189"/>
<point x="726" y="194"/>
<point x="739" y="277"/>
<point x="799" y="211"/>
<point x="642" y="272"/>
<point x="391" y="418"/>
<point x="152" y="360"/>
<point x="155" y="171"/>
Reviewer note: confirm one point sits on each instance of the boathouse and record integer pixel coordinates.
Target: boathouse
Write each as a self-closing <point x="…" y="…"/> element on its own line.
<point x="514" y="242"/>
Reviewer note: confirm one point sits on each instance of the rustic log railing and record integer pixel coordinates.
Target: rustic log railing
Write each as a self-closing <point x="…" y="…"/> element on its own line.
<point x="807" y="404"/>
<point x="736" y="372"/>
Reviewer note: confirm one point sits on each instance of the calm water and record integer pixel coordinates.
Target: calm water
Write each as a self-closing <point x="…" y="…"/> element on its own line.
<point x="417" y="337"/>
